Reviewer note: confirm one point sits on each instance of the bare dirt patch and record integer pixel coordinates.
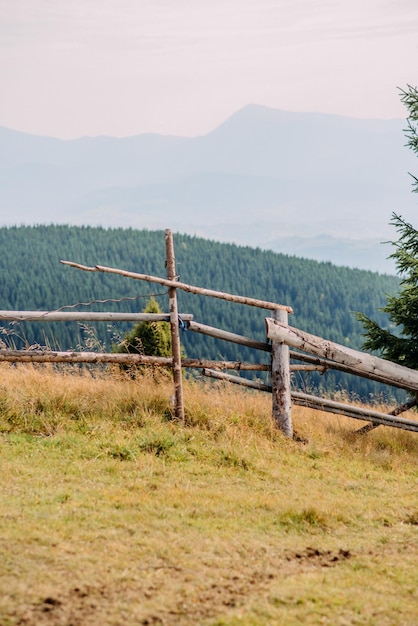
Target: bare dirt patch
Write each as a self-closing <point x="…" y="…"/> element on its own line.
<point x="319" y="558"/>
<point x="78" y="607"/>
<point x="169" y="595"/>
<point x="157" y="601"/>
<point x="73" y="608"/>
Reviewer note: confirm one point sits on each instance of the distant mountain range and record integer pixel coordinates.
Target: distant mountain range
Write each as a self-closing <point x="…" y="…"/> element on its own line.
<point x="313" y="185"/>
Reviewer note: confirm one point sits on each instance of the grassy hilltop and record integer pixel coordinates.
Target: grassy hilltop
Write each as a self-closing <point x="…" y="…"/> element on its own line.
<point x="112" y="513"/>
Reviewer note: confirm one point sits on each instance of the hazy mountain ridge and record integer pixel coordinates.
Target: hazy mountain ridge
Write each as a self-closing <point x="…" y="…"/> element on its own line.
<point x="264" y="178"/>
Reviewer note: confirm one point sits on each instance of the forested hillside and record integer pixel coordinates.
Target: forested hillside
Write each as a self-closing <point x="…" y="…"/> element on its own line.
<point x="323" y="296"/>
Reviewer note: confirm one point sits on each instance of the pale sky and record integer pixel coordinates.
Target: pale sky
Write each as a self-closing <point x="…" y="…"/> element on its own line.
<point x="70" y="68"/>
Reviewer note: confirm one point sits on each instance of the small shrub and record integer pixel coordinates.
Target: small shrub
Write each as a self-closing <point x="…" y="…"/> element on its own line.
<point x="412" y="519"/>
<point x="158" y="444"/>
<point x="304" y="520"/>
<point x="122" y="453"/>
<point x="231" y="459"/>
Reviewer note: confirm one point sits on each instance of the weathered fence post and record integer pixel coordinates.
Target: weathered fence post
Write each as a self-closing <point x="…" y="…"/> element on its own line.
<point x="280" y="380"/>
<point x="174" y="325"/>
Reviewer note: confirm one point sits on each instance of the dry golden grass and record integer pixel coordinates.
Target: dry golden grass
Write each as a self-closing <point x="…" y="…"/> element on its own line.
<point x="113" y="513"/>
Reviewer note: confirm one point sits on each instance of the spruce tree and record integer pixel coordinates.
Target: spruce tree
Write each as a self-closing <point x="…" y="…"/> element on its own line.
<point x="400" y="344"/>
<point x="148" y="338"/>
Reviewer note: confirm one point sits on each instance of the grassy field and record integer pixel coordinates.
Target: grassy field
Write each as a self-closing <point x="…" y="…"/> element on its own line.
<point x="112" y="513"/>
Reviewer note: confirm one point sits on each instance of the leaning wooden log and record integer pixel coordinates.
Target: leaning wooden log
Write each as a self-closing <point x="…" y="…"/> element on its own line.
<point x="360" y="413"/>
<point x="87" y="316"/>
<point x="238" y="380"/>
<point x="411" y="403"/>
<point x="225" y="365"/>
<point x="354" y="362"/>
<point x="217" y="333"/>
<point x="262" y="304"/>
<point x="322" y="404"/>
<point x="264" y="346"/>
<point x="317" y="364"/>
<point x="308" y="368"/>
<point x="314" y="360"/>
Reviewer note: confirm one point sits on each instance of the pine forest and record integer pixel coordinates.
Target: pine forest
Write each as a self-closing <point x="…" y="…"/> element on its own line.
<point x="324" y="297"/>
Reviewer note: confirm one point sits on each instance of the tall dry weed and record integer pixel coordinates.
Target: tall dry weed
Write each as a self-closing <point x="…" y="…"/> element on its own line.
<point x="46" y="400"/>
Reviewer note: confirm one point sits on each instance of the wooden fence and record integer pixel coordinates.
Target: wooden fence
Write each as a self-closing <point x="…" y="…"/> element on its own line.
<point x="285" y="343"/>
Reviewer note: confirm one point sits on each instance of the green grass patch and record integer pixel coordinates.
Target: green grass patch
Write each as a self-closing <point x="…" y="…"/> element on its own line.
<point x="111" y="512"/>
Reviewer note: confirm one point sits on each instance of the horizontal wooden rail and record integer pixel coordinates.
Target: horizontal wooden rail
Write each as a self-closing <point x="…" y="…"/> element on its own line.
<point x="87" y="316"/>
<point x="262" y="304"/>
<point x="50" y="356"/>
<point x="44" y="356"/>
